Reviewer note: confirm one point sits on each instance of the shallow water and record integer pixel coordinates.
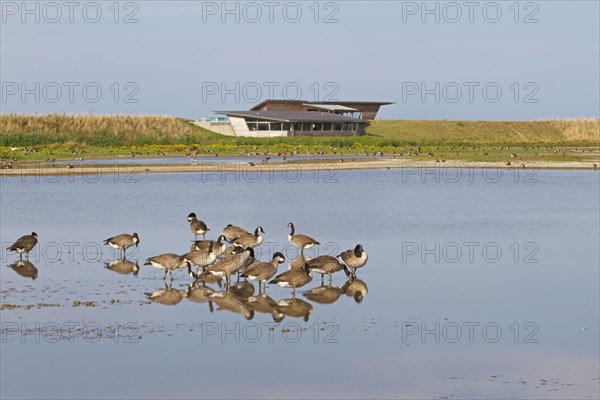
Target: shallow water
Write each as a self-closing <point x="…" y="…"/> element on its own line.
<point x="200" y="160"/>
<point x="478" y="285"/>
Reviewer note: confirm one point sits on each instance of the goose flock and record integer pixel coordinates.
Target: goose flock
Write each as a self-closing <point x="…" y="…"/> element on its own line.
<point x="230" y="254"/>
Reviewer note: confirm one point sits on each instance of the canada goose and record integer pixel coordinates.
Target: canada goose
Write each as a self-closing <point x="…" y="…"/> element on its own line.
<point x="231" y="264"/>
<point x="167" y="296"/>
<point x="295" y="308"/>
<point x="354" y="259"/>
<point x="265" y="304"/>
<point x="232" y="232"/>
<point x="355" y="288"/>
<point x="201" y="258"/>
<point x="123" y="242"/>
<point x="263" y="271"/>
<point x="299" y="241"/>
<point x="324" y="294"/>
<point x="124" y="267"/>
<point x="232" y="252"/>
<point x="298" y="262"/>
<point x="250" y="240"/>
<point x="294" y="278"/>
<point x="228" y="252"/>
<point x="326" y="265"/>
<point x="24" y="244"/>
<point x="230" y="302"/>
<point x="169" y="262"/>
<point x="218" y="245"/>
<point x="196" y="226"/>
<point x="25" y="268"/>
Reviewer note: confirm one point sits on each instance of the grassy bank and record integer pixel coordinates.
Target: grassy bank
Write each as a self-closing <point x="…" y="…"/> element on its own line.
<point x="576" y="132"/>
<point x="101" y="135"/>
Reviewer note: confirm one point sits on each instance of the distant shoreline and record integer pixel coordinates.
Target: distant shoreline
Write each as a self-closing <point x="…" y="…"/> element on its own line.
<point x="210" y="168"/>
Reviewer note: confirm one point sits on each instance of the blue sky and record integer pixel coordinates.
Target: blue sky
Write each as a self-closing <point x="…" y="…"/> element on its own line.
<point x="534" y="60"/>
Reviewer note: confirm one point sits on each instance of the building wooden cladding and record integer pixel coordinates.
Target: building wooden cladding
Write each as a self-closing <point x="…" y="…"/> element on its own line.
<point x="368" y="110"/>
<point x="279" y="118"/>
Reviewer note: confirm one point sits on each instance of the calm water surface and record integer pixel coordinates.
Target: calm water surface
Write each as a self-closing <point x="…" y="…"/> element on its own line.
<point x="202" y="160"/>
<point x="477" y="286"/>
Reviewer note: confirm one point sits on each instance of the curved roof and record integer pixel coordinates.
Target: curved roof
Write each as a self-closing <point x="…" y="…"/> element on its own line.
<point x="340" y="103"/>
<point x="292" y="116"/>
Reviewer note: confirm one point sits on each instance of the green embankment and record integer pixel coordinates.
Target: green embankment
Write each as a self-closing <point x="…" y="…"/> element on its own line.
<point x="105" y="135"/>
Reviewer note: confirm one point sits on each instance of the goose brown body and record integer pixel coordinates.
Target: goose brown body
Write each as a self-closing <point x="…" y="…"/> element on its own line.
<point x="24" y="244"/>
<point x="263" y="271"/>
<point x="300" y="241"/>
<point x="293" y="278"/>
<point x="218" y="245"/>
<point x="326" y="265"/>
<point x="232" y="232"/>
<point x="230" y="264"/>
<point x="250" y="240"/>
<point x="201" y="258"/>
<point x="123" y="242"/>
<point x="168" y="262"/>
<point x="196" y="226"/>
<point x="355" y="258"/>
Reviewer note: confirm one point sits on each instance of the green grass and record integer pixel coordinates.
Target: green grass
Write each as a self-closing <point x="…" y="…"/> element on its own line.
<point x="551" y="132"/>
<point x="62" y="136"/>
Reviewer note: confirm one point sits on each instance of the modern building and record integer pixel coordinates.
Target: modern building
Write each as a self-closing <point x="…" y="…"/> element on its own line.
<point x="275" y="118"/>
<point x="360" y="109"/>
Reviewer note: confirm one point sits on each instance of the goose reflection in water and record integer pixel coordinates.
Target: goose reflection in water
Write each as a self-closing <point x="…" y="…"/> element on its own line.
<point x="123" y="266"/>
<point x="265" y="304"/>
<point x="211" y="279"/>
<point x="295" y="308"/>
<point x="167" y="296"/>
<point x="242" y="289"/>
<point x="324" y="294"/>
<point x="200" y="294"/>
<point x="355" y="288"/>
<point x="24" y="268"/>
<point x="228" y="301"/>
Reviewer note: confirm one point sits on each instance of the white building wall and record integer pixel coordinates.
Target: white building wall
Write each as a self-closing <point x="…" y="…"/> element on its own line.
<point x="239" y="126"/>
<point x="223" y="129"/>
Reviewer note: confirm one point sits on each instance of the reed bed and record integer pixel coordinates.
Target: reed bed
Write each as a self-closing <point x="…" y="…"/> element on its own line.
<point x="131" y="130"/>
